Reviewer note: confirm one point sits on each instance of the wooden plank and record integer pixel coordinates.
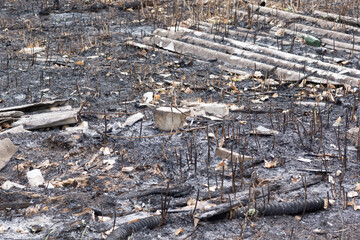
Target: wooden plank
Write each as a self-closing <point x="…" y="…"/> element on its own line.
<point x="48" y="119"/>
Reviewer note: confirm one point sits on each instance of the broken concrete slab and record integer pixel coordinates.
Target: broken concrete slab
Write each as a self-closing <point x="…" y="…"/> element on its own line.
<point x="260" y="130"/>
<point x="7" y="150"/>
<point x="226" y="154"/>
<point x="170" y="118"/>
<point x="48" y="119"/>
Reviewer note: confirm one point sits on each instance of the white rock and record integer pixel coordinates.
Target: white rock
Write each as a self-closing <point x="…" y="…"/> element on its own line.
<point x="8" y="185"/>
<point x="352" y="194"/>
<point x="148" y="97"/>
<point x="217" y="109"/>
<point x="35" y="178"/>
<point x="167" y="118"/>
<point x="110" y="161"/>
<point x="105" y="150"/>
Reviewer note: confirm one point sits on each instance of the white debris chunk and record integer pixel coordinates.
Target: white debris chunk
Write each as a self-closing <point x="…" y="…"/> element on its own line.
<point x="131" y="120"/>
<point x="32" y="50"/>
<point x="264" y="131"/>
<point x="148" y="97"/>
<point x="217" y="109"/>
<point x="79" y="128"/>
<point x="226" y="154"/>
<point x="105" y="150"/>
<point x="8" y="185"/>
<point x="35" y="178"/>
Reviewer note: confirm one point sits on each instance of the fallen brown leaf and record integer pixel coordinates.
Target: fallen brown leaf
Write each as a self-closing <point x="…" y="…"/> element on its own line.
<point x="178" y="232"/>
<point x="271" y="164"/>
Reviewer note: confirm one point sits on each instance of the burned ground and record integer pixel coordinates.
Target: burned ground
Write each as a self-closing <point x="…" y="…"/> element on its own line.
<point x="103" y="57"/>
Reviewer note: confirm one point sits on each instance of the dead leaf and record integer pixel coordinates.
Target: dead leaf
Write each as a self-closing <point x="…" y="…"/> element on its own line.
<point x="271" y="164"/>
<point x="357" y="187"/>
<point x="275" y="95"/>
<point x="188" y="90"/>
<point x="280" y="32"/>
<point x="190" y="202"/>
<point x="242" y="122"/>
<point x="351" y="203"/>
<point x="352" y="194"/>
<point x="178" y="232"/>
<point x="337" y="122"/>
<point x="221" y="165"/>
<point x="345" y="62"/>
<point x="295" y="179"/>
<point x="75" y="182"/>
<point x="80" y="63"/>
<point x="31" y="211"/>
<point x="5" y="125"/>
<point x="85" y="210"/>
<point x="233" y="87"/>
<point x="156" y="97"/>
<point x="143" y="52"/>
<point x="135" y="220"/>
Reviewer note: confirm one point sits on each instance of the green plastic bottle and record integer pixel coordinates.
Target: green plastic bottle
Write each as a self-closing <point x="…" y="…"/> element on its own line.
<point x="312" y="41"/>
